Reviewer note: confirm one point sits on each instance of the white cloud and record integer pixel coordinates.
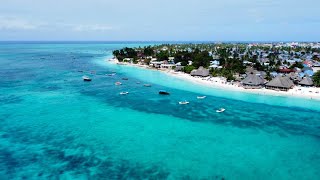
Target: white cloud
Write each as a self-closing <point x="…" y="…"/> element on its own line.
<point x="95" y="27"/>
<point x="14" y="23"/>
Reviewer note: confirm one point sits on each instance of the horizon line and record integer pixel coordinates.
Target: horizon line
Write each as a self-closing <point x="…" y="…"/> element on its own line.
<point x="165" y="41"/>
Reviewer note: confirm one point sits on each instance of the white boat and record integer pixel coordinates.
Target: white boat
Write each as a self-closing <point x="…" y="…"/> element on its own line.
<point x="118" y="83"/>
<point x="147" y="85"/>
<point x="183" y="102"/>
<point x="112" y="74"/>
<point x="124" y="93"/>
<point x="220" y="110"/>
<point x="86" y="78"/>
<point x="201" y="97"/>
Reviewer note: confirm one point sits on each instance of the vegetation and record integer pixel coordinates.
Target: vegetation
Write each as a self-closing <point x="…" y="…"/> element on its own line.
<point x="125" y="53"/>
<point x="316" y="79"/>
<point x="298" y="65"/>
<point x="188" y="69"/>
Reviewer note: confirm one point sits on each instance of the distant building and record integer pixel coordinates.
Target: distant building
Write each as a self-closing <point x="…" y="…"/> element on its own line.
<point x="201" y="71"/>
<point x="306" y="81"/>
<point x="252" y="81"/>
<point x="280" y="83"/>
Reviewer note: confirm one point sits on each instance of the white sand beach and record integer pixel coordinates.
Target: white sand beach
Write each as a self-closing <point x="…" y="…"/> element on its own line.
<point x="220" y="82"/>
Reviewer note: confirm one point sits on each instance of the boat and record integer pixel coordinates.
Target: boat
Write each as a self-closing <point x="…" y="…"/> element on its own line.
<point x="147" y="85"/>
<point x="201" y="97"/>
<point x="112" y="74"/>
<point x="124" y="93"/>
<point x="86" y="78"/>
<point x="124" y="78"/>
<point x="118" y="83"/>
<point x="220" y="110"/>
<point x="138" y="82"/>
<point x="183" y="102"/>
<point x="162" y="92"/>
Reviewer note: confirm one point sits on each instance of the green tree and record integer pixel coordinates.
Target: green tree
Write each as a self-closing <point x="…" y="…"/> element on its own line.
<point x="188" y="69"/>
<point x="296" y="64"/>
<point x="316" y="79"/>
<point x="163" y="55"/>
<point x="148" y="51"/>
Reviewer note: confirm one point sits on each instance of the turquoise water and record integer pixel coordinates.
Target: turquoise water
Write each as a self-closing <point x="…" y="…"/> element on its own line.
<point x="55" y="126"/>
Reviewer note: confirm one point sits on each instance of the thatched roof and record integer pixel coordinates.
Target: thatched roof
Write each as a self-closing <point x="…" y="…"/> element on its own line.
<point x="200" y="72"/>
<point x="306" y="81"/>
<point x="253" y="80"/>
<point x="280" y="82"/>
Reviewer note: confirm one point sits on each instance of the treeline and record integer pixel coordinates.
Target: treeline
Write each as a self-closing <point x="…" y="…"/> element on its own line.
<point x="125" y="53"/>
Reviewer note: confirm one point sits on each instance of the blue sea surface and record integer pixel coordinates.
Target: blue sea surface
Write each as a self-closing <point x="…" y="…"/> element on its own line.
<point x="53" y="125"/>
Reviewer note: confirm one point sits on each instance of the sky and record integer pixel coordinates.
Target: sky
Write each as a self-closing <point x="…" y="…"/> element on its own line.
<point x="159" y="20"/>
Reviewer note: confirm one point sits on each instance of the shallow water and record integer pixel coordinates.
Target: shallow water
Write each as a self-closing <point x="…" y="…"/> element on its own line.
<point x="54" y="125"/>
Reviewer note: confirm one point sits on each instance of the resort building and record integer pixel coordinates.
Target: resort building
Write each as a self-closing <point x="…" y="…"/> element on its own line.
<point x="253" y="81"/>
<point x="201" y="71"/>
<point x="128" y="60"/>
<point x="156" y="64"/>
<point x="167" y="66"/>
<point x="280" y="83"/>
<point x="306" y="81"/>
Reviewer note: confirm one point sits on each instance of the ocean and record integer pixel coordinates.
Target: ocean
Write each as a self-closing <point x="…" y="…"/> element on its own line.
<point x="53" y="125"/>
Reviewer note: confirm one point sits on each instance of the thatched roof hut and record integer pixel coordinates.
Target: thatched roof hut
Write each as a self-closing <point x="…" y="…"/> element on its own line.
<point x="252" y="80"/>
<point x="201" y="71"/>
<point x="280" y="83"/>
<point x="306" y="81"/>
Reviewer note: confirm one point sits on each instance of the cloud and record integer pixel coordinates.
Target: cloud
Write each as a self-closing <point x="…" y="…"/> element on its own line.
<point x="95" y="27"/>
<point x="15" y="23"/>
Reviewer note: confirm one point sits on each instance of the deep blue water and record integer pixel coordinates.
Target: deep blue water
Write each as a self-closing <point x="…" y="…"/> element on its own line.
<point x="55" y="126"/>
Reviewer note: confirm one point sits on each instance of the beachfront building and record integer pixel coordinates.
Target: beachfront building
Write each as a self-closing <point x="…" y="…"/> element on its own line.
<point x="156" y="64"/>
<point x="128" y="60"/>
<point x="306" y="81"/>
<point x="201" y="71"/>
<point x="167" y="66"/>
<point x="252" y="81"/>
<point x="281" y="83"/>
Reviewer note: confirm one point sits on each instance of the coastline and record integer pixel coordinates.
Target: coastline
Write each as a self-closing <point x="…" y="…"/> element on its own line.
<point x="219" y="83"/>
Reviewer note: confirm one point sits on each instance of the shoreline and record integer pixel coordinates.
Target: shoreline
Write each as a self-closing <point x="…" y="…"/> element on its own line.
<point x="219" y="83"/>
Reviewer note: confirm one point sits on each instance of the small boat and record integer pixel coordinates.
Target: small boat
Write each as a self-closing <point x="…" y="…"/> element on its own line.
<point x="86" y="78"/>
<point x="118" y="83"/>
<point x="147" y="85"/>
<point x="112" y="74"/>
<point x="183" y="102"/>
<point x="124" y="78"/>
<point x="138" y="82"/>
<point x="220" y="110"/>
<point x="124" y="93"/>
<point x="162" y="92"/>
<point x="201" y="97"/>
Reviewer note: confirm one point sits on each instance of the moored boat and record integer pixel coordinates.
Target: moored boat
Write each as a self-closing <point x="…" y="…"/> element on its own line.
<point x="220" y="110"/>
<point x="124" y="93"/>
<point x="162" y="92"/>
<point x="86" y="78"/>
<point x="125" y="79"/>
<point x="118" y="83"/>
<point x="183" y="102"/>
<point x="201" y="97"/>
<point x="112" y="74"/>
<point x="147" y="85"/>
